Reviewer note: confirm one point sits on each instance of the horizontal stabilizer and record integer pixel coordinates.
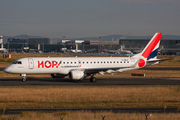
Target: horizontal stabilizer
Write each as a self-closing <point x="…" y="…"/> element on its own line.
<point x="158" y="60"/>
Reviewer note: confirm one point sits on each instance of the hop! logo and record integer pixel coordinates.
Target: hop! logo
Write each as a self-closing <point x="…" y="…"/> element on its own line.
<point x="49" y="64"/>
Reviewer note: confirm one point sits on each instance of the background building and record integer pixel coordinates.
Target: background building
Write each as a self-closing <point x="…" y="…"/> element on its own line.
<point x="167" y="46"/>
<point x="30" y="40"/>
<point x="40" y="41"/>
<point x="17" y="40"/>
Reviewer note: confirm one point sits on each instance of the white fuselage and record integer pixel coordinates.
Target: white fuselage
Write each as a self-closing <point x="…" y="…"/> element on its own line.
<point x="62" y="65"/>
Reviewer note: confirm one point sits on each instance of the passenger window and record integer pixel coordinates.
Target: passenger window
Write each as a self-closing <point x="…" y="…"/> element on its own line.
<point x="87" y="62"/>
<point x="63" y="62"/>
<point x="101" y="62"/>
<point x="107" y="61"/>
<point x="114" y="62"/>
<point x="71" y="62"/>
<point x="110" y="62"/>
<point x="74" y="62"/>
<point x="117" y="61"/>
<point x="83" y="62"/>
<point x="104" y="62"/>
<point x="94" y="62"/>
<point x="98" y="62"/>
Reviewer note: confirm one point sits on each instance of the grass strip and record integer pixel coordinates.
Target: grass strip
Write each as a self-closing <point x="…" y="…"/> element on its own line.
<point x="89" y="97"/>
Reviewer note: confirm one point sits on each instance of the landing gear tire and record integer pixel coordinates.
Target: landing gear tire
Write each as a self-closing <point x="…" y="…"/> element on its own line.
<point x="23" y="79"/>
<point x="93" y="79"/>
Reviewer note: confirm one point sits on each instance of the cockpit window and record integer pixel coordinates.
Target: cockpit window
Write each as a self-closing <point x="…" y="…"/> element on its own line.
<point x="17" y="62"/>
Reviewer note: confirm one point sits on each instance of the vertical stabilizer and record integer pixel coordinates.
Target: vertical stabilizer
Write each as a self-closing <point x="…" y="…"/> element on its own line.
<point x="121" y="48"/>
<point x="103" y="48"/>
<point x="150" y="51"/>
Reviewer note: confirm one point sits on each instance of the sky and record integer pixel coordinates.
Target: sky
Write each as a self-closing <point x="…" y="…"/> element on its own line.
<point x="89" y="18"/>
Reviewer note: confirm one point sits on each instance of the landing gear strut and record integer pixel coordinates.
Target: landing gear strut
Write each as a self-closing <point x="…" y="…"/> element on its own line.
<point x="93" y="79"/>
<point x="23" y="77"/>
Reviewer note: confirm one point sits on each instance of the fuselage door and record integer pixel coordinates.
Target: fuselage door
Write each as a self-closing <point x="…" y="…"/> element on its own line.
<point x="31" y="63"/>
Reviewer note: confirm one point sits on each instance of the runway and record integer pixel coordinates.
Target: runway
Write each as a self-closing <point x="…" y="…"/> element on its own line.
<point x="86" y="82"/>
<point x="115" y="110"/>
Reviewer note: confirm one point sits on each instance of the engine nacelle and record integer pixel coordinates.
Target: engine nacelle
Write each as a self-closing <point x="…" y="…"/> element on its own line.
<point x="76" y="75"/>
<point x="57" y="76"/>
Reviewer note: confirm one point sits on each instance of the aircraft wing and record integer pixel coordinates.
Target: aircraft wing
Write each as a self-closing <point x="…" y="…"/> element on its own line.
<point x="97" y="70"/>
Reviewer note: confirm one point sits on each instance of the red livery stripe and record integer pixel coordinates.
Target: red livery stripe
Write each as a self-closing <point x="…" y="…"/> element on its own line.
<point x="152" y="45"/>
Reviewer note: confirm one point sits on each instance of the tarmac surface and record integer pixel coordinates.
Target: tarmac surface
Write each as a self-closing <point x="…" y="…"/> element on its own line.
<point x="115" y="110"/>
<point x="86" y="82"/>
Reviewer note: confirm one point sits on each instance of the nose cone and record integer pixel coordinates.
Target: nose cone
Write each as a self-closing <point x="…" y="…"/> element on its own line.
<point x="7" y="69"/>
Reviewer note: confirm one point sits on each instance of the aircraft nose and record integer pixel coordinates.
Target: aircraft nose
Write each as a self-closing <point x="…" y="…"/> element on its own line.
<point x="7" y="69"/>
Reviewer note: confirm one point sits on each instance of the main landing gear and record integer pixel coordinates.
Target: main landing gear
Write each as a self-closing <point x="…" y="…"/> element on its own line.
<point x="23" y="77"/>
<point x="93" y="79"/>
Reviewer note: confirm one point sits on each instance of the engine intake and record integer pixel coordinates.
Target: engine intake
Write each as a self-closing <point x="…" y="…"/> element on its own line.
<point x="76" y="75"/>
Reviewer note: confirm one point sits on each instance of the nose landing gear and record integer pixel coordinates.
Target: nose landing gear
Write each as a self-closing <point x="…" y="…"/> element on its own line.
<point x="23" y="77"/>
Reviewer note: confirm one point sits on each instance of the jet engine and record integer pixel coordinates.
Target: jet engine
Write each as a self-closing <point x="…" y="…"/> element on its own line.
<point x="57" y="75"/>
<point x="76" y="75"/>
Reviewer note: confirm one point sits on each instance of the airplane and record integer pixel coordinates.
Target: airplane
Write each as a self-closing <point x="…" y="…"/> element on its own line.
<point x="125" y="51"/>
<point x="78" y="68"/>
<point x="3" y="49"/>
<point x="75" y="51"/>
<point x="119" y="51"/>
